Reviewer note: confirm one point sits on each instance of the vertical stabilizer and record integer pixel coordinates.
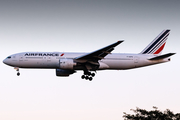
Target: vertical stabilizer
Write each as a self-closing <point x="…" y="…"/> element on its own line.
<point x="157" y="45"/>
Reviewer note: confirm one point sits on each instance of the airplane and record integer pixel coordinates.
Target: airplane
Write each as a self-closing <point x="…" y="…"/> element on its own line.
<point x="66" y="63"/>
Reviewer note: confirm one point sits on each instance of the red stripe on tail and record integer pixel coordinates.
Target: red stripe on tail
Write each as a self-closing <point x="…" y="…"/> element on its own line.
<point x="160" y="49"/>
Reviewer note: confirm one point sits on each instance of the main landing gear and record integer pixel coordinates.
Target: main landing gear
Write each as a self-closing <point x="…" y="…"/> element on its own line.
<point x="88" y="76"/>
<point x="17" y="69"/>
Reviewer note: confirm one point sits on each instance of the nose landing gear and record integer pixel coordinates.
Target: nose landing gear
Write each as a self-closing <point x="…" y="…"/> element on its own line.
<point x="17" y="69"/>
<point x="18" y="74"/>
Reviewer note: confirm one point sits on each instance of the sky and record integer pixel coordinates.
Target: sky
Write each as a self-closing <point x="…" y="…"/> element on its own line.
<point x="85" y="26"/>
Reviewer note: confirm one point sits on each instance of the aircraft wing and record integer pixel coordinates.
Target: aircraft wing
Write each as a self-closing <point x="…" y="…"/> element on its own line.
<point x="98" y="54"/>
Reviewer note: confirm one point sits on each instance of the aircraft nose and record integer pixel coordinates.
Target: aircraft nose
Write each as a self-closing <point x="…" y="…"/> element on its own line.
<point x="5" y="61"/>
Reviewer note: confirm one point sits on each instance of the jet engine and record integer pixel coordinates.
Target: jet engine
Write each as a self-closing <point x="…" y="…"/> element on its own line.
<point x="64" y="73"/>
<point x="66" y="64"/>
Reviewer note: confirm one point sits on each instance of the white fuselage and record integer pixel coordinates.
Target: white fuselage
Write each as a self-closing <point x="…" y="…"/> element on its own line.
<point x="51" y="60"/>
<point x="67" y="63"/>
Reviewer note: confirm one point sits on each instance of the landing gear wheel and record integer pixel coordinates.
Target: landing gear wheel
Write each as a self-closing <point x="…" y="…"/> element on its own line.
<point x="92" y="74"/>
<point x="18" y="74"/>
<point x="90" y="78"/>
<point x="83" y="76"/>
<point x="86" y="77"/>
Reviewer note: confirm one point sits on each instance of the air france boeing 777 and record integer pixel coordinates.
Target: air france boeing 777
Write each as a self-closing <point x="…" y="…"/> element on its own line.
<point x="67" y="63"/>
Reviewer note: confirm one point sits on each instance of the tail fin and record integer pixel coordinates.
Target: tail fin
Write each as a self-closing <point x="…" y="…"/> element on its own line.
<point x="157" y="45"/>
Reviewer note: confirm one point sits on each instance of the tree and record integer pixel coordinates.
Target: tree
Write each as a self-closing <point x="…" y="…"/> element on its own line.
<point x="155" y="114"/>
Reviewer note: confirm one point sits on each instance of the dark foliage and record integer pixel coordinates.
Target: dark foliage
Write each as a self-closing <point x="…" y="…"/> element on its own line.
<point x="155" y="114"/>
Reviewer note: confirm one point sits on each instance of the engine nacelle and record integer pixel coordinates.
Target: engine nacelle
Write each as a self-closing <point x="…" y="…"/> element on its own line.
<point x="67" y="64"/>
<point x="64" y="73"/>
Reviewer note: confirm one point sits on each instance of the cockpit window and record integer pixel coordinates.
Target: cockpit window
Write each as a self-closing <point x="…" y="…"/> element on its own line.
<point x="9" y="57"/>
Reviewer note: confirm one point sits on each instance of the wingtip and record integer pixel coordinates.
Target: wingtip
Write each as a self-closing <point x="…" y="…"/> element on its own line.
<point x="172" y="53"/>
<point x="120" y="41"/>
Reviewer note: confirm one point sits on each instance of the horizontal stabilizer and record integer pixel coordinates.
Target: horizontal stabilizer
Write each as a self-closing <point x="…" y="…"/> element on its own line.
<point x="162" y="56"/>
